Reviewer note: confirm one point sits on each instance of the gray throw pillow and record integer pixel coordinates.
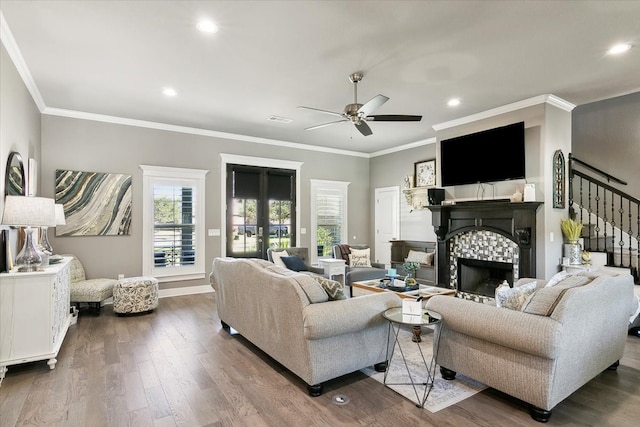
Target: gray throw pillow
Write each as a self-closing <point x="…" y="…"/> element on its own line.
<point x="294" y="263"/>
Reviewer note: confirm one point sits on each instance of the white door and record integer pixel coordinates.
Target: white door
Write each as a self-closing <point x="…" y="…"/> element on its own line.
<point x="387" y="222"/>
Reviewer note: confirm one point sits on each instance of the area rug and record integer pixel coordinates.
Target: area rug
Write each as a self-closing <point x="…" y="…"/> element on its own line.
<point x="443" y="394"/>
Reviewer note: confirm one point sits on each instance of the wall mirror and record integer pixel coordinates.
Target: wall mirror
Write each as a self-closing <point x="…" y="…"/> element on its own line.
<point x="14" y="180"/>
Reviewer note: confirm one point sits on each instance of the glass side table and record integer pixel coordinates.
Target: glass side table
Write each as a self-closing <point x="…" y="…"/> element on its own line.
<point x="396" y="321"/>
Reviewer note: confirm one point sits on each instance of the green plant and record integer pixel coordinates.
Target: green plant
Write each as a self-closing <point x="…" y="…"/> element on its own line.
<point x="411" y="267"/>
<point x="571" y="229"/>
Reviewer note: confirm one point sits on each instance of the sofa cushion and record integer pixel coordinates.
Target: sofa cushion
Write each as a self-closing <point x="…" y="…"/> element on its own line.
<point x="276" y="257"/>
<point x="514" y="298"/>
<point x="294" y="263"/>
<point x="360" y="258"/>
<point x="333" y="289"/>
<point x="311" y="288"/>
<point x="543" y="301"/>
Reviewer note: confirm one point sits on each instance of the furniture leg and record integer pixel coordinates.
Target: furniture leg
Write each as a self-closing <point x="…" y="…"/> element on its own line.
<point x="635" y="331"/>
<point x="381" y="367"/>
<point x="52" y="363"/>
<point x="447" y="374"/>
<point x="417" y="332"/>
<point x="539" y="414"/>
<point x="314" y="390"/>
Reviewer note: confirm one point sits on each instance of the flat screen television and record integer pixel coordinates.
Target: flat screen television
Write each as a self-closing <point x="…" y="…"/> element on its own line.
<point x="487" y="156"/>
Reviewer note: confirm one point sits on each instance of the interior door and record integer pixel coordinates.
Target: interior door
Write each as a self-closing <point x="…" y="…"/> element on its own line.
<point x="260" y="210"/>
<point x="387" y="222"/>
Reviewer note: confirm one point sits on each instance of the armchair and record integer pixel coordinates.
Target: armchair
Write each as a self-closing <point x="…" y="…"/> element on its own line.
<point x="357" y="274"/>
<point x="90" y="291"/>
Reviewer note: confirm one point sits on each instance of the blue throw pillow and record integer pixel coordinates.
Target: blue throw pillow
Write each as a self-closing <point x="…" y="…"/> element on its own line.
<point x="294" y="263"/>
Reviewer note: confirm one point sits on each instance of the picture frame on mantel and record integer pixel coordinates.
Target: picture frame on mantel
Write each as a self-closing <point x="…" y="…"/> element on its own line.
<point x="425" y="173"/>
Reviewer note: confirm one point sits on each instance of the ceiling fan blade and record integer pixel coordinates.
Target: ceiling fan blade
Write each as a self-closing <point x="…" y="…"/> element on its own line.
<point x="326" y="124"/>
<point x="333" y="113"/>
<point x="394" y="118"/>
<point x="364" y="128"/>
<point x="372" y="104"/>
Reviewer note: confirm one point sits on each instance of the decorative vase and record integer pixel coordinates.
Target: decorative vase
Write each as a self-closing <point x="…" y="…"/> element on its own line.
<point x="573" y="251"/>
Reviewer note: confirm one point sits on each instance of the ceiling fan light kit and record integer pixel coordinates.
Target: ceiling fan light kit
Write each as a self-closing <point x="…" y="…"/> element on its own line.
<point x="359" y="114"/>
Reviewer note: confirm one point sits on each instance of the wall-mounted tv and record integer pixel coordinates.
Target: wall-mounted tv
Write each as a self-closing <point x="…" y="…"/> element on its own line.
<point x="488" y="156"/>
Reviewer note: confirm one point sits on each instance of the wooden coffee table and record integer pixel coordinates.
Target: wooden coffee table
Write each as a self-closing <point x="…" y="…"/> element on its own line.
<point x="424" y="291"/>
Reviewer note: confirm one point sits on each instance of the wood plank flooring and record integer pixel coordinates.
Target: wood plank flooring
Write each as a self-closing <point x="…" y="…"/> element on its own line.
<point x="177" y="367"/>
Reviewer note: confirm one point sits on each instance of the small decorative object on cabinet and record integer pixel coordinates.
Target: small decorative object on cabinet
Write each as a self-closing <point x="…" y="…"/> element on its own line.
<point x="34" y="314"/>
<point x="425" y="172"/>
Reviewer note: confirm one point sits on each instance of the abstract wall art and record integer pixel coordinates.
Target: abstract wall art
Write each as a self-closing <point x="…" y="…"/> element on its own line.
<point x="95" y="203"/>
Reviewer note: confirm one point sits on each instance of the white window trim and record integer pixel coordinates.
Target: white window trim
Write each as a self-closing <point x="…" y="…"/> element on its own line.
<point x="253" y="161"/>
<point x="195" y="178"/>
<point x="320" y="184"/>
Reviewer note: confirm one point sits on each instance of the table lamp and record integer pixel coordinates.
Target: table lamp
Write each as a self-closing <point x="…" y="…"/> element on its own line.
<point x="45" y="245"/>
<point x="22" y="211"/>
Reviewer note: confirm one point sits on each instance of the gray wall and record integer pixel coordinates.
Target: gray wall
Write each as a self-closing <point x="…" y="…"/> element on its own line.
<point x="606" y="134"/>
<point x="75" y="144"/>
<point x="19" y="122"/>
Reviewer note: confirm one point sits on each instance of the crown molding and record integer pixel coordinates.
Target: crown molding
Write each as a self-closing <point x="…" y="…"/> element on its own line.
<point x="10" y="44"/>
<point x="403" y="147"/>
<point x="536" y="100"/>
<point x="194" y="131"/>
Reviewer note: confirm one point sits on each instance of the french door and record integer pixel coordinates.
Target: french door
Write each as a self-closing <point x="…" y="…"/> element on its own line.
<point x="260" y="210"/>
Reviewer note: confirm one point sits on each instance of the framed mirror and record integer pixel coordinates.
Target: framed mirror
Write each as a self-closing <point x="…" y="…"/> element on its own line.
<point x="14" y="180"/>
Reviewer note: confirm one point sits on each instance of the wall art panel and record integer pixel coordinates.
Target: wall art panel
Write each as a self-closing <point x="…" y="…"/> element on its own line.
<point x="95" y="203"/>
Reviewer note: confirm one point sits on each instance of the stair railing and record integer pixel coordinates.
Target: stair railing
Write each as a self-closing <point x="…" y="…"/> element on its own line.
<point x="612" y="222"/>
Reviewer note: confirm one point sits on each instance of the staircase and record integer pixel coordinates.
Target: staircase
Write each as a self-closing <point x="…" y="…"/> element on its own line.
<point x="610" y="216"/>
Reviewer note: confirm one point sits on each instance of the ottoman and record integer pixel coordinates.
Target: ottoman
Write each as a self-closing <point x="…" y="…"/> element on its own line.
<point x="135" y="295"/>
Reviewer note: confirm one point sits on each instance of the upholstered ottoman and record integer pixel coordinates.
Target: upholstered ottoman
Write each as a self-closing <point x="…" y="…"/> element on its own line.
<point x="135" y="295"/>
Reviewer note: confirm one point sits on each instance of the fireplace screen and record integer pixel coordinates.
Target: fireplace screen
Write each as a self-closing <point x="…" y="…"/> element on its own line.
<point x="482" y="277"/>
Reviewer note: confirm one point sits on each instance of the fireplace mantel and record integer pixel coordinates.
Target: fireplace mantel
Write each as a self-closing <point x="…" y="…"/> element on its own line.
<point x="516" y="221"/>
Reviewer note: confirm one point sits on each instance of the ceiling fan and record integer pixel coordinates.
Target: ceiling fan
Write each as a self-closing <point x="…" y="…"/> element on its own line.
<point x="360" y="114"/>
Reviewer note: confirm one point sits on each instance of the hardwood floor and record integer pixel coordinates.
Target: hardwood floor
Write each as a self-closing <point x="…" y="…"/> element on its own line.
<point x="178" y="367"/>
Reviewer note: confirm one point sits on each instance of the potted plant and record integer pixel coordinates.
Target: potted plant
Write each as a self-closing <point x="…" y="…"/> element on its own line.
<point x="410" y="267"/>
<point x="572" y="229"/>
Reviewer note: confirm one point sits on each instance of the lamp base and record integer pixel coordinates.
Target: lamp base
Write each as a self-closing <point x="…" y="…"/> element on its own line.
<point x="28" y="259"/>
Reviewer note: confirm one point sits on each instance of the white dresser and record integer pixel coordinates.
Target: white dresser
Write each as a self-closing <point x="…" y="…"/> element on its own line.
<point x="34" y="315"/>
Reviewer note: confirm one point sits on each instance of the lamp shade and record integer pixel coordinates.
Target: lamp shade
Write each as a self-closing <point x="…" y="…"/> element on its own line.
<point x="60" y="218"/>
<point x="26" y="211"/>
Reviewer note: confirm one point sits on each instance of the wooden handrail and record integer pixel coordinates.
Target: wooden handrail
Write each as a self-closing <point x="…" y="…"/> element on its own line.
<point x="595" y="169"/>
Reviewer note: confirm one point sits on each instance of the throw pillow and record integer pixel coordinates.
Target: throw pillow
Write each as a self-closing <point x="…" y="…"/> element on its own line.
<point x="294" y="263"/>
<point x="276" y="257"/>
<point x="331" y="287"/>
<point x="420" y="257"/>
<point x="514" y="298"/>
<point x="556" y="279"/>
<point x="360" y="258"/>
<point x="544" y="301"/>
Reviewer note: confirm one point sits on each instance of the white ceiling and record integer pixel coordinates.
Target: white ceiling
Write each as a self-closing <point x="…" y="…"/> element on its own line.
<point x="114" y="57"/>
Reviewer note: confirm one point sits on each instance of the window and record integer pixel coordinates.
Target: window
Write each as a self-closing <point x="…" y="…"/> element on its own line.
<point x="173" y="223"/>
<point x="329" y="216"/>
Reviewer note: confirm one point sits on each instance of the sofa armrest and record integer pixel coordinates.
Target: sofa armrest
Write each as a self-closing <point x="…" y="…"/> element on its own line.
<point x="529" y="333"/>
<point x="378" y="265"/>
<point x="317" y="270"/>
<point x="334" y="318"/>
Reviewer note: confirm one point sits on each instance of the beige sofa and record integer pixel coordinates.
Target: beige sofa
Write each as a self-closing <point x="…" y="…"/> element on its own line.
<point x="538" y="358"/>
<point x="288" y="315"/>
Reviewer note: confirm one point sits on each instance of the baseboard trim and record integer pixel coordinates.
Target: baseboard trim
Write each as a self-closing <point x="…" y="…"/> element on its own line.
<point x="176" y="292"/>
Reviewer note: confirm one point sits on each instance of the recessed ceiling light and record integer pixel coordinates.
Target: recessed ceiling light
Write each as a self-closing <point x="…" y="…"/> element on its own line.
<point x="619" y="48"/>
<point x="167" y="91"/>
<point x="207" y="26"/>
<point x="453" y="102"/>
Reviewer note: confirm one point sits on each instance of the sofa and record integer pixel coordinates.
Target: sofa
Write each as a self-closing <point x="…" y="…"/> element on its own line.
<point x="290" y="317"/>
<point x="353" y="273"/>
<point x="562" y="337"/>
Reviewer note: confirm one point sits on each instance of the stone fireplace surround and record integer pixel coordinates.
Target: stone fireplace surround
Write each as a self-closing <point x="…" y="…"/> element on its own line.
<point x="499" y="231"/>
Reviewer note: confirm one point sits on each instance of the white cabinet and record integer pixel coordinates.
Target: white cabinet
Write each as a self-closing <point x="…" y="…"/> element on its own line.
<point x="34" y="315"/>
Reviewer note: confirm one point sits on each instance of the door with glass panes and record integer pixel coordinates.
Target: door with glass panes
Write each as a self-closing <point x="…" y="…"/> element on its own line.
<point x="260" y="210"/>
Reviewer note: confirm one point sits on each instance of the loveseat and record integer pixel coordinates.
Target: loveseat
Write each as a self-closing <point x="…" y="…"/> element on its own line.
<point x="289" y="316"/>
<point x="562" y="337"/>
